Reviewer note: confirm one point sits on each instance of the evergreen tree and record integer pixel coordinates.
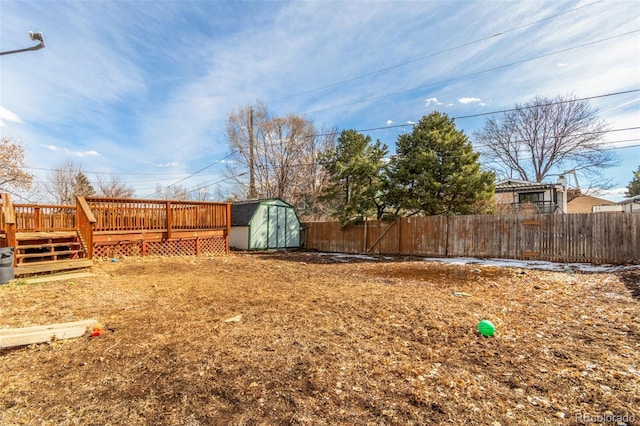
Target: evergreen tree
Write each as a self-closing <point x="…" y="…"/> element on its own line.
<point x="355" y="186"/>
<point x="435" y="171"/>
<point x="633" y="188"/>
<point x="82" y="186"/>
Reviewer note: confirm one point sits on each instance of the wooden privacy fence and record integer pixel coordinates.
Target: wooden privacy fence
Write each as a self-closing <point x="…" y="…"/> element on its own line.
<point x="590" y="237"/>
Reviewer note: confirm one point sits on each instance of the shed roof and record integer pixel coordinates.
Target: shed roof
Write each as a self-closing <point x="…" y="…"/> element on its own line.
<point x="242" y="211"/>
<point x="631" y="200"/>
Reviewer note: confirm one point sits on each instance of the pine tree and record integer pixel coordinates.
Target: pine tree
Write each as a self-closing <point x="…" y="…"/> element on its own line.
<point x="435" y="171"/>
<point x="82" y="186"/>
<point x="355" y="177"/>
<point x="633" y="188"/>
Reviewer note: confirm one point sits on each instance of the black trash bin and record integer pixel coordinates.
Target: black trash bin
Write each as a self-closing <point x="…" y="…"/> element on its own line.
<point x="6" y="264"/>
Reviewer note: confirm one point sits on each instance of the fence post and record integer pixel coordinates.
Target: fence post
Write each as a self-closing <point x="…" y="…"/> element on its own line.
<point x="399" y="235"/>
<point x="364" y="241"/>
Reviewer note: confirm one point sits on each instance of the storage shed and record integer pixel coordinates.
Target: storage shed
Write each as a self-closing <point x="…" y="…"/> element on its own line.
<point x="264" y="224"/>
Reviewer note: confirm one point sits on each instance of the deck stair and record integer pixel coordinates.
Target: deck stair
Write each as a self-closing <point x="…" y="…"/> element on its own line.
<point x="37" y="252"/>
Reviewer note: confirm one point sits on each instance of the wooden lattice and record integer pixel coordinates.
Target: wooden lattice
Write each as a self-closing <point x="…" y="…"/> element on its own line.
<point x="125" y="248"/>
<point x="215" y="246"/>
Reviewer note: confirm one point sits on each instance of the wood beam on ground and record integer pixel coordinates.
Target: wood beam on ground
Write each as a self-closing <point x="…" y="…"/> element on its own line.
<point x="13" y="337"/>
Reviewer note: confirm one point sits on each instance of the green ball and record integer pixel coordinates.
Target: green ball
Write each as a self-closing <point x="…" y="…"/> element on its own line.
<point x="486" y="328"/>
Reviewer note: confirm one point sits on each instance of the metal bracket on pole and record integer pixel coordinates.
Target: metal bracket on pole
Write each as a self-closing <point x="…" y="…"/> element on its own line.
<point x="34" y="36"/>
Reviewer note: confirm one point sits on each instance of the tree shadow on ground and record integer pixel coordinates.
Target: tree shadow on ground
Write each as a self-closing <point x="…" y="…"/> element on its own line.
<point x="316" y="257"/>
<point x="631" y="280"/>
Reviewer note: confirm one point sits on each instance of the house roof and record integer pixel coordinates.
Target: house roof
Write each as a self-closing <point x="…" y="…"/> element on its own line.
<point x="513" y="185"/>
<point x="585" y="204"/>
<point x="242" y="211"/>
<point x="631" y="200"/>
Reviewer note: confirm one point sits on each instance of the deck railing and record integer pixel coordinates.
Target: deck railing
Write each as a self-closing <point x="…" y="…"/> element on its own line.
<point x="44" y="217"/>
<point x="156" y="215"/>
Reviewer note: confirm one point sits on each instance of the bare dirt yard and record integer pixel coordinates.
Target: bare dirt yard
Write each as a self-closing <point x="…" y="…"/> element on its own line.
<point x="300" y="338"/>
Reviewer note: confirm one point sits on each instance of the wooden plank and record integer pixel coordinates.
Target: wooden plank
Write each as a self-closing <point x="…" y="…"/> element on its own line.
<point x="47" y="254"/>
<point x="44" y="333"/>
<point x="59" y="277"/>
<point x="21" y="236"/>
<point x="32" y="246"/>
<point x="51" y="266"/>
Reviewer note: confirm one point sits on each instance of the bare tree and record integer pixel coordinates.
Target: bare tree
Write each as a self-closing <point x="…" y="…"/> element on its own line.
<point x="111" y="186"/>
<point x="12" y="175"/>
<point x="543" y="135"/>
<point x="276" y="156"/>
<point x="67" y="182"/>
<point x="172" y="192"/>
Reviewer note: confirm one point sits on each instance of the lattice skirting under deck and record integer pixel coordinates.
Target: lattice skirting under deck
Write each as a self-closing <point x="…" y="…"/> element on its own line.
<point x="216" y="246"/>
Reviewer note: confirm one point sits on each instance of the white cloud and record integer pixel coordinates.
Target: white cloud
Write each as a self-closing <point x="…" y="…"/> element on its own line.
<point x="389" y="122"/>
<point x="411" y="122"/>
<point x="430" y="101"/>
<point x="5" y="114"/>
<point x="562" y="64"/>
<point x="169" y="164"/>
<point x="81" y="154"/>
<point x="468" y="100"/>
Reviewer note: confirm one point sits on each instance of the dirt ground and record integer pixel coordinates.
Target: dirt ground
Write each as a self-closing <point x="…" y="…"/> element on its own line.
<point x="299" y="338"/>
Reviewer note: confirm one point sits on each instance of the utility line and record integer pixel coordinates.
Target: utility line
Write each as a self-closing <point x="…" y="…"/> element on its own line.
<point x="422" y="58"/>
<point x="510" y="64"/>
<point x="194" y="173"/>
<point x="494" y="112"/>
<point x="372" y="129"/>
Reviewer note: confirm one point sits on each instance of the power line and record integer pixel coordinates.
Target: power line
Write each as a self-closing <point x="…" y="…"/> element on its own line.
<point x="422" y="58"/>
<point x="388" y="95"/>
<point x="194" y="173"/>
<point x="370" y="130"/>
<point x="494" y="112"/>
<point x="462" y="117"/>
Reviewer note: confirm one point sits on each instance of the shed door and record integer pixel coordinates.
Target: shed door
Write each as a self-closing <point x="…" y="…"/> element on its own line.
<point x="277" y="235"/>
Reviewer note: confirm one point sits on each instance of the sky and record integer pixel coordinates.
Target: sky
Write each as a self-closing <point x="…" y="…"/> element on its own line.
<point x="142" y="89"/>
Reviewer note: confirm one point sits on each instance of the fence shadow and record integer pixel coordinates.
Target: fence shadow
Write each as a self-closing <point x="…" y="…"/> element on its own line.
<point x="631" y="280"/>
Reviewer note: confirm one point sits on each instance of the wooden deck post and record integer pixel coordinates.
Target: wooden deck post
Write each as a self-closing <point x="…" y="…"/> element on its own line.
<point x="169" y="220"/>
<point x="84" y="224"/>
<point x="9" y="214"/>
<point x="37" y="219"/>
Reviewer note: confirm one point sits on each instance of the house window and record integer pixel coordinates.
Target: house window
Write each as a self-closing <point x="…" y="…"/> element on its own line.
<point x="531" y="197"/>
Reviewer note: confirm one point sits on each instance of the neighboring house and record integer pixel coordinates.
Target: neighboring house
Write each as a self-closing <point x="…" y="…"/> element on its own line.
<point x="521" y="196"/>
<point x="264" y="224"/>
<point x="589" y="204"/>
<point x="631" y="204"/>
<point x="627" y="205"/>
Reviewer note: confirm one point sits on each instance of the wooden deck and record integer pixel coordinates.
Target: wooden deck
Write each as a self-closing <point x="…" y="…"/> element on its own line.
<point x="52" y="238"/>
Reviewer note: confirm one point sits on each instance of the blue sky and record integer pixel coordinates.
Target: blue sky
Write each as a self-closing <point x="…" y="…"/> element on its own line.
<point x="142" y="88"/>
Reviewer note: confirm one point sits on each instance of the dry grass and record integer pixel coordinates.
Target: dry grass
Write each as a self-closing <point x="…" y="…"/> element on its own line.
<point x="323" y="342"/>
